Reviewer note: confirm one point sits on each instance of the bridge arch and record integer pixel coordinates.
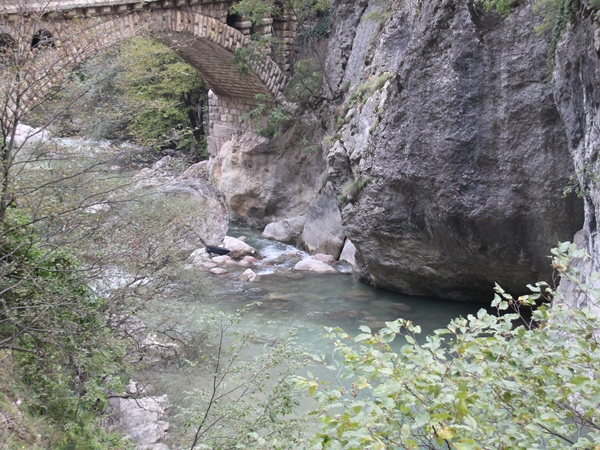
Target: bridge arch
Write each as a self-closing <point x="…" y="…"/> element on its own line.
<point x="206" y="43"/>
<point x="195" y="29"/>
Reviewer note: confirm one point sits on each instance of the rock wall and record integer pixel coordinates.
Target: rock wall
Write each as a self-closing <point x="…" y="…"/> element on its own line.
<point x="577" y="92"/>
<point x="265" y="181"/>
<point x="464" y="147"/>
<point x="451" y="142"/>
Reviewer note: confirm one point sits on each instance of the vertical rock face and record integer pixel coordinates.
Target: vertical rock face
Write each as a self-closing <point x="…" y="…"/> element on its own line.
<point x="463" y="146"/>
<point x="577" y="93"/>
<point x="265" y="181"/>
<point x="452" y="145"/>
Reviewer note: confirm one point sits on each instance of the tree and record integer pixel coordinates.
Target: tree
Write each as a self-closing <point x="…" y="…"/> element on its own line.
<point x="166" y="92"/>
<point x="485" y="381"/>
<point x="71" y="270"/>
<point x="249" y="401"/>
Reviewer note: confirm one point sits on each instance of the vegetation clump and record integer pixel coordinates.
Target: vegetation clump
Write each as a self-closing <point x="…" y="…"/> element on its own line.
<point x="485" y="381"/>
<point x="266" y="119"/>
<point x="54" y="336"/>
<point x="352" y="188"/>
<point x="556" y="14"/>
<point x="502" y="6"/>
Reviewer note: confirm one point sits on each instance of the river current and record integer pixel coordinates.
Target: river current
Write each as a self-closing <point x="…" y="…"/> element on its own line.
<point x="314" y="301"/>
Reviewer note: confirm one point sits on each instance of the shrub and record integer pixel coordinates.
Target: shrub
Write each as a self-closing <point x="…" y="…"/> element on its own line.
<point x="266" y="119"/>
<point x="485" y="381"/>
<point x="52" y="325"/>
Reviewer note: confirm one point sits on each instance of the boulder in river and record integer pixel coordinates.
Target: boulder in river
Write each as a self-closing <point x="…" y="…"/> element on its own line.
<point x="140" y="418"/>
<point x="314" y="265"/>
<point x="348" y="252"/>
<point x="328" y="259"/>
<point x="221" y="259"/>
<point x="210" y="226"/>
<point x="199" y="256"/>
<point x="249" y="275"/>
<point x="286" y="231"/>
<point x="238" y="249"/>
<point x="248" y="261"/>
<point x="323" y="231"/>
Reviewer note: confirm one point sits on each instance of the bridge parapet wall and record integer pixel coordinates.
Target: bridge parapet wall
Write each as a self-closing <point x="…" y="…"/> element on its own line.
<point x="283" y="27"/>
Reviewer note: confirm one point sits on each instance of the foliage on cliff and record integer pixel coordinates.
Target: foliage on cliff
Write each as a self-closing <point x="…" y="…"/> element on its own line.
<point x="485" y="381"/>
<point x="554" y="14"/>
<point x="305" y="86"/>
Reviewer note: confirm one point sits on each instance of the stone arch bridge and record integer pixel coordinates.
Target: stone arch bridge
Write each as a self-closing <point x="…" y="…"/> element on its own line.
<point x="204" y="32"/>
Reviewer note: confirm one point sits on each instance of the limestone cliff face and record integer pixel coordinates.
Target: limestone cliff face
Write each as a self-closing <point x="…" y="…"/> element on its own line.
<point x="463" y="150"/>
<point x="266" y="181"/>
<point x="450" y="144"/>
<point x="576" y="84"/>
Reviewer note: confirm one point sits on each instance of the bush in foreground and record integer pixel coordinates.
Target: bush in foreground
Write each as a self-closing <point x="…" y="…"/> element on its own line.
<point x="484" y="381"/>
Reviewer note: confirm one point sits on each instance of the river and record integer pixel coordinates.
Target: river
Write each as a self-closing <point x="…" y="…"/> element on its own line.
<point x="286" y="299"/>
<point x="313" y="301"/>
<point x="283" y="299"/>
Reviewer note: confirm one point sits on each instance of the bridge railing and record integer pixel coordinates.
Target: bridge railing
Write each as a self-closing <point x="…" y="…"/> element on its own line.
<point x="17" y="6"/>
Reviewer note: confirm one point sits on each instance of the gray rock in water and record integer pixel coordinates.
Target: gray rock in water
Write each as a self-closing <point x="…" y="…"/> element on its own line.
<point x="287" y="231"/>
<point x="237" y="248"/>
<point x="199" y="257"/>
<point x="328" y="259"/>
<point x="222" y="259"/>
<point x="214" y="222"/>
<point x="314" y="265"/>
<point x="140" y="418"/>
<point x="250" y="276"/>
<point x="348" y="253"/>
<point x="323" y="231"/>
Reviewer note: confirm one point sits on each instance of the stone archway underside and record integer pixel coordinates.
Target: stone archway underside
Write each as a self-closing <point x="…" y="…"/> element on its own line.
<point x="209" y="46"/>
<point x="215" y="65"/>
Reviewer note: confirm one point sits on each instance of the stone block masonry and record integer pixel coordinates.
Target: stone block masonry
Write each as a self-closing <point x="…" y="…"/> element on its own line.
<point x="226" y="119"/>
<point x="203" y="32"/>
